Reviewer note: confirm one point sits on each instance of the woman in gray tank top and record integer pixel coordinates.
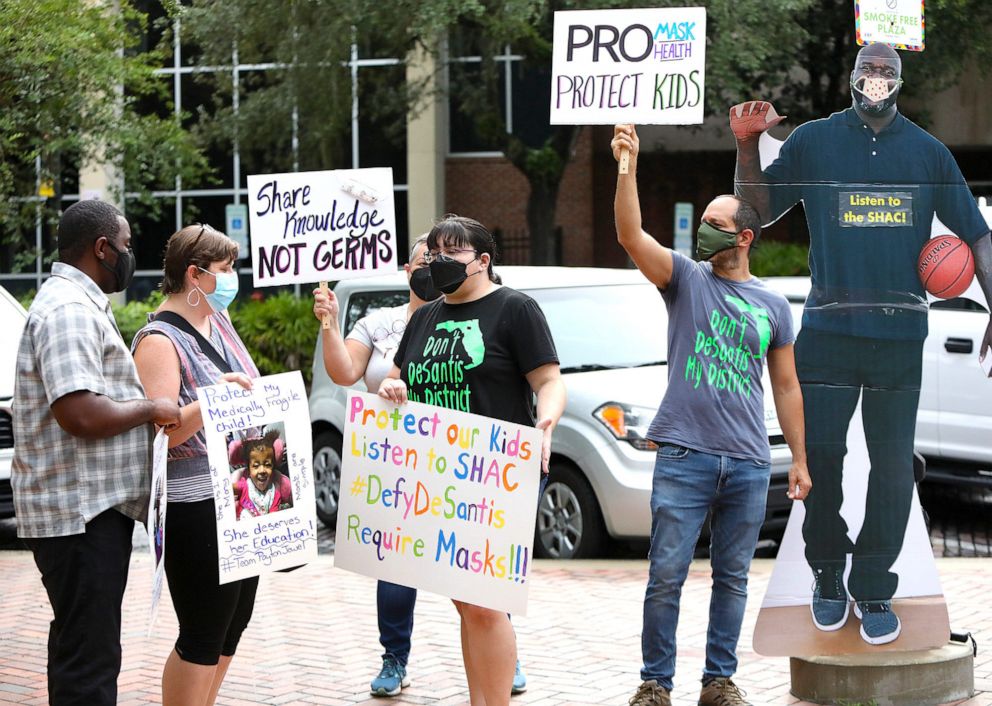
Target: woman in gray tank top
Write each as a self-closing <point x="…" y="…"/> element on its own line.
<point x="172" y="360"/>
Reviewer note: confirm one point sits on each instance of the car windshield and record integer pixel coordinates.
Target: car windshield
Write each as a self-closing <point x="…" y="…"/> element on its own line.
<point x="608" y="326"/>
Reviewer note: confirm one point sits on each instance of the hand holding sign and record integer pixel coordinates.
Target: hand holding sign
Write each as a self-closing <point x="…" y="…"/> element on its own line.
<point x="748" y="120"/>
<point x="325" y="306"/>
<point x="625" y="145"/>
<point x="393" y="390"/>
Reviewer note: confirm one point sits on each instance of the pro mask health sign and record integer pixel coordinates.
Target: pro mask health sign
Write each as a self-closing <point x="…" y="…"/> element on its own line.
<point x="439" y="500"/>
<point x="629" y="66"/>
<point x="320" y="226"/>
<point x="898" y="23"/>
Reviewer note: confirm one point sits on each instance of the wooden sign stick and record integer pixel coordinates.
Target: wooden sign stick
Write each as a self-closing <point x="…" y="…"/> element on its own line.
<point x="624" y="163"/>
<point x="325" y="322"/>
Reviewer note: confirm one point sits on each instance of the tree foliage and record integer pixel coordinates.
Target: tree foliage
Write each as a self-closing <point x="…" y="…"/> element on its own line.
<point x="70" y="82"/>
<point x="814" y="80"/>
<point x="796" y="52"/>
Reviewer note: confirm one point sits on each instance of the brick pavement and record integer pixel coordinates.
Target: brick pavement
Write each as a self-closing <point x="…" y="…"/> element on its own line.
<point x="313" y="638"/>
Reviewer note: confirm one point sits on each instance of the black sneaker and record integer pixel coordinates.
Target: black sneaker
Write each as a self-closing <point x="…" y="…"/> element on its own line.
<point x="830" y="603"/>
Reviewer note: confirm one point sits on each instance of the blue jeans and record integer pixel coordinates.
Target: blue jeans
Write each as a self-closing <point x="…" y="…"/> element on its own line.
<point x="687" y="485"/>
<point x="395" y="610"/>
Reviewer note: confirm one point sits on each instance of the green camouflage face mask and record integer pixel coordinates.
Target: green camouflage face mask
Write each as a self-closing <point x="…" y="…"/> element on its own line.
<point x="710" y="241"/>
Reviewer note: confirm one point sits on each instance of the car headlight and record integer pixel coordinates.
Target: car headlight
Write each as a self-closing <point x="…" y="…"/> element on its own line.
<point x="627" y="423"/>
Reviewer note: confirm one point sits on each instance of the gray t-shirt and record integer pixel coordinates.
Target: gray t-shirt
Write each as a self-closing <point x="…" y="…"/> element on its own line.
<point x="719" y="332"/>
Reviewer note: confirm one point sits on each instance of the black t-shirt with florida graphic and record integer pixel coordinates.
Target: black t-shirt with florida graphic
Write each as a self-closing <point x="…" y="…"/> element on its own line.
<point x="475" y="356"/>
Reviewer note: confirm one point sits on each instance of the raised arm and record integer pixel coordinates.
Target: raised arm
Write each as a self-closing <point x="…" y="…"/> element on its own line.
<point x="747" y="121"/>
<point x="345" y="360"/>
<point x="652" y="258"/>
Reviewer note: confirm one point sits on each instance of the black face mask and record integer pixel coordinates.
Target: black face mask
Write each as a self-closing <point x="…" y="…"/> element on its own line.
<point x="123" y="269"/>
<point x="422" y="285"/>
<point x="447" y="274"/>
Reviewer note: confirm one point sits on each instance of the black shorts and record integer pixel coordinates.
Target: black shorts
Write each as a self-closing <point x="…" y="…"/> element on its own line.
<point x="211" y="616"/>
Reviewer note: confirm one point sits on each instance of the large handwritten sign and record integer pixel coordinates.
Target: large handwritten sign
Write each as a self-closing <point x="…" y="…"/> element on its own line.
<point x="314" y="226"/>
<point x="259" y="448"/>
<point x="639" y="66"/>
<point x="439" y="499"/>
<point x="898" y="23"/>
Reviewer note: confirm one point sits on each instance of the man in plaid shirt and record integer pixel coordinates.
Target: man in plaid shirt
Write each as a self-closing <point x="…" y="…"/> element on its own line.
<point x="82" y="458"/>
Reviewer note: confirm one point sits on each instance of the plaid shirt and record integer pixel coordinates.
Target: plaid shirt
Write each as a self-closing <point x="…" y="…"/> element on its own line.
<point x="70" y="343"/>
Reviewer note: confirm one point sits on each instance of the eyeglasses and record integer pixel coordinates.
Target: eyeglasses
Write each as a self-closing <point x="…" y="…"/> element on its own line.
<point x="443" y="255"/>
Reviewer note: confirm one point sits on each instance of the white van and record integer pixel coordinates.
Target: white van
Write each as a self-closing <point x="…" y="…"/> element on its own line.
<point x="12" y="318"/>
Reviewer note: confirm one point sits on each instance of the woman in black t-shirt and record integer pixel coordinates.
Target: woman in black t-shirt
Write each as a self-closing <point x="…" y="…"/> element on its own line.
<point x="486" y="349"/>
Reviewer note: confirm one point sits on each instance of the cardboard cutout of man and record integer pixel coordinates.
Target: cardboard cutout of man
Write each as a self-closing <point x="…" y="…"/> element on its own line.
<point x="870" y="182"/>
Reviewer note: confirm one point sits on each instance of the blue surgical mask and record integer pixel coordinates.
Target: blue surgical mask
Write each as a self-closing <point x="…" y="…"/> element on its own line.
<point x="225" y="291"/>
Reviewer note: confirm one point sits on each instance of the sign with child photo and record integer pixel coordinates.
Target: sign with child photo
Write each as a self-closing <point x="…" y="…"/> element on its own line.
<point x="440" y="500"/>
<point x="259" y="449"/>
<point x="320" y="226"/>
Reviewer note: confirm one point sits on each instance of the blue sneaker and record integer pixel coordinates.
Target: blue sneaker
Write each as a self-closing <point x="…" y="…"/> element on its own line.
<point x="829" y="605"/>
<point x="392" y="678"/>
<point x="879" y="625"/>
<point x="519" y="681"/>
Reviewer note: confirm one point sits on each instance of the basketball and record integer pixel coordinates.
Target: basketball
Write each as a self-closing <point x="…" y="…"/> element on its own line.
<point x="946" y="266"/>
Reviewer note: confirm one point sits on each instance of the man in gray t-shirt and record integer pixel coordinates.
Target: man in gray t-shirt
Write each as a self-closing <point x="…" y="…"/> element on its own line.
<point x="713" y="457"/>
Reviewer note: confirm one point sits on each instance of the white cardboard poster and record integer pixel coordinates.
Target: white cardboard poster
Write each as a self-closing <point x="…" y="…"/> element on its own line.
<point x="439" y="500"/>
<point x="156" y="520"/>
<point x="316" y="226"/>
<point x="260" y="451"/>
<point x="642" y="66"/>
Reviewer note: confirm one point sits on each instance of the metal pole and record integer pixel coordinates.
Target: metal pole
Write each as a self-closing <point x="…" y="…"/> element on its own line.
<point x="38" y="255"/>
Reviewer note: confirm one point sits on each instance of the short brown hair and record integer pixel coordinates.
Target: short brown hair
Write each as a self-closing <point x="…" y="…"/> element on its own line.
<point x="199" y="245"/>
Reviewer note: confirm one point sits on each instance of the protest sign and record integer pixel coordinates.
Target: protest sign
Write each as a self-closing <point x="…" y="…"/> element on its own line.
<point x="440" y="500"/>
<point x="156" y="520"/>
<point x="319" y="226"/>
<point x="259" y="449"/>
<point x="629" y="66"/>
<point x="898" y="23"/>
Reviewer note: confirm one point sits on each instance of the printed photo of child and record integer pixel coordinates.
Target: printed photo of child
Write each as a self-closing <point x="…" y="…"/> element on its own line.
<point x="258" y="472"/>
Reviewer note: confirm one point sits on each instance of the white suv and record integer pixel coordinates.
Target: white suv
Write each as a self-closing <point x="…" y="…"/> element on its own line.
<point x="610" y="329"/>
<point x="12" y="318"/>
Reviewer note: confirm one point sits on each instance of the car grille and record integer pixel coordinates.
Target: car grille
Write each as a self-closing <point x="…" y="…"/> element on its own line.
<point x="6" y="431"/>
<point x="776" y="440"/>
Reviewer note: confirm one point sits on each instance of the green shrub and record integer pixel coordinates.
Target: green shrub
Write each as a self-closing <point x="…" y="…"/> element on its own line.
<point x="133" y="315"/>
<point x="775" y="259"/>
<point x="279" y="331"/>
<point x="26" y="298"/>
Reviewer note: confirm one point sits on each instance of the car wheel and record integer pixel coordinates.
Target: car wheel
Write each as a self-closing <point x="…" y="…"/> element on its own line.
<point x="569" y="525"/>
<point x="327" y="475"/>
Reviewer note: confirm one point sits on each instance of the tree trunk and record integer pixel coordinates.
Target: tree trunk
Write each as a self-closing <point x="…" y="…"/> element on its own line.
<point x="541" y="209"/>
